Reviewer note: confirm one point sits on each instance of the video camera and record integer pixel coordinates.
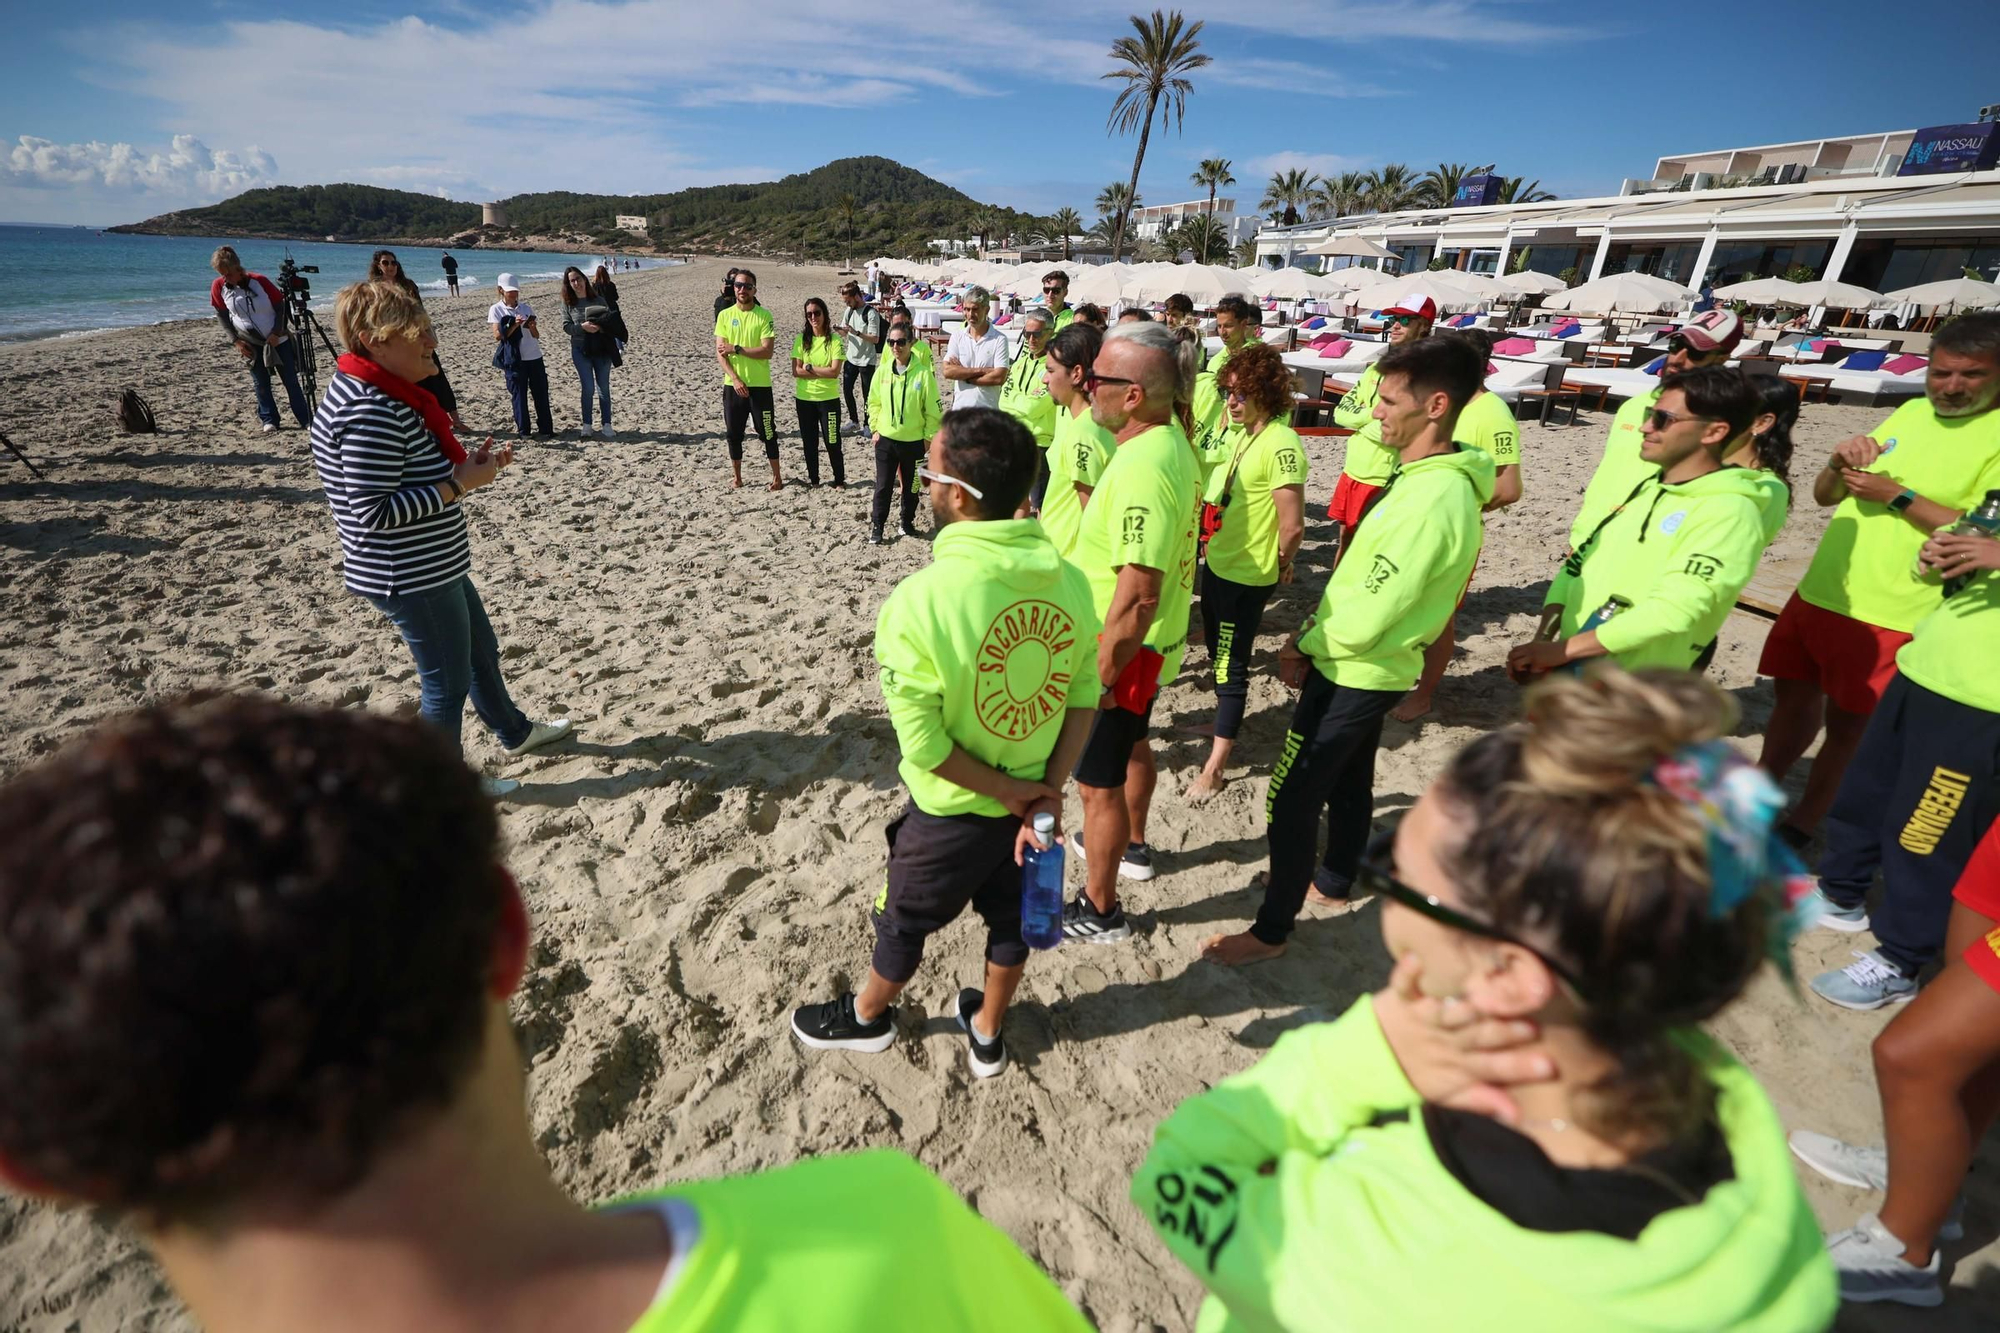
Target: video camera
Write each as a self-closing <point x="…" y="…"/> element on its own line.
<point x="290" y="279"/>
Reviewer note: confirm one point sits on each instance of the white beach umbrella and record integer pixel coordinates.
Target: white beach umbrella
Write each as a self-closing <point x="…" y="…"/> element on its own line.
<point x="1838" y="295"/>
<point x="1295" y="284"/>
<point x="1636" y="293"/>
<point x="1957" y="293"/>
<point x="1765" y="291"/>
<point x="1352" y="279"/>
<point x="1197" y="283"/>
<point x="1358" y="247"/>
<point x="1440" y="287"/>
<point x="1102" y="285"/>
<point x="1528" y="282"/>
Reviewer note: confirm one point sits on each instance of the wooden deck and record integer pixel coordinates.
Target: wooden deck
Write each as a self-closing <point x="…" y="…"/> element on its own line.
<point x="1771" y="587"/>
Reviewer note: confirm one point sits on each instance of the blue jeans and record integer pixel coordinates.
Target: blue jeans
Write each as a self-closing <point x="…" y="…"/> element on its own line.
<point x="531" y="377"/>
<point x="288" y="368"/>
<point x="597" y="368"/>
<point x="457" y="655"/>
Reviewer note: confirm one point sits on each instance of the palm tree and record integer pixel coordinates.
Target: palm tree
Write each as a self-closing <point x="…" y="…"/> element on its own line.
<point x="1288" y="192"/>
<point x="1514" y="191"/>
<point x="1202" y="234"/>
<point x="1116" y="201"/>
<point x="1388" y="188"/>
<point x="1066" y="223"/>
<point x="1339" y="195"/>
<point x="1439" y="186"/>
<point x="844" y="209"/>
<point x="1210" y="175"/>
<point x="1154" y="66"/>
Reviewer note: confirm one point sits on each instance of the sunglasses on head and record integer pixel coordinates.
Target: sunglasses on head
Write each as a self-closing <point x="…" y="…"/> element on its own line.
<point x="1374" y="875"/>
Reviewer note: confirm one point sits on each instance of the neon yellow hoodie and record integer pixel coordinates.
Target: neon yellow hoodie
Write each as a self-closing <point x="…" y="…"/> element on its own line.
<point x="1401" y="579"/>
<point x="1211" y="414"/>
<point x="1025" y="397"/>
<point x="903" y="403"/>
<point x="984" y="648"/>
<point x="1679" y="554"/>
<point x="1305" y="1203"/>
<point x="860" y="1243"/>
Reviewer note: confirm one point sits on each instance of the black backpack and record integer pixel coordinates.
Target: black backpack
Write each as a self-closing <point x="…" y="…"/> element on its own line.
<point x="135" y="414"/>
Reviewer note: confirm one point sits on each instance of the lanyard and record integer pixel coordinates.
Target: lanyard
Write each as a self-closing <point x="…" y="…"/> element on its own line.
<point x="1018" y="383"/>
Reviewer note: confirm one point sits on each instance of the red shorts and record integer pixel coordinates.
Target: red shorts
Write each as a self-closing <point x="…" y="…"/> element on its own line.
<point x="1851" y="660"/>
<point x="1350" y="499"/>
<point x="1979" y="890"/>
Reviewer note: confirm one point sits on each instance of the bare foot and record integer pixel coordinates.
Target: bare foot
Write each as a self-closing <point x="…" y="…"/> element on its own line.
<point x="1412" y="708"/>
<point x="1237" y="950"/>
<point x="1205" y="786"/>
<point x="736" y="485"/>
<point x="775" y="486"/>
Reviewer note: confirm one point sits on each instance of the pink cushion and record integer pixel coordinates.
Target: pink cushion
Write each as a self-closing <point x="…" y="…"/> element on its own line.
<point x="1324" y="340"/>
<point x="1491" y="369"/>
<point x="1514" y="346"/>
<point x="1336" y="349"/>
<point x="1904" y="364"/>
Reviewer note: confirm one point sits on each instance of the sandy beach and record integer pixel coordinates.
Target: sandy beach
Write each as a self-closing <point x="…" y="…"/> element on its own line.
<point x="701" y="860"/>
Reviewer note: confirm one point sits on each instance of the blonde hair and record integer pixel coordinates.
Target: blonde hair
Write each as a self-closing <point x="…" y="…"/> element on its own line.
<point x="368" y="314"/>
<point x="1572" y="844"/>
<point x="224" y="256"/>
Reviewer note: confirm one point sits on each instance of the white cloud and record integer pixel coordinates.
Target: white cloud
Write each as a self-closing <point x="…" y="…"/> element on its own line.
<point x="1316" y="164"/>
<point x="1290" y="76"/>
<point x="190" y="168"/>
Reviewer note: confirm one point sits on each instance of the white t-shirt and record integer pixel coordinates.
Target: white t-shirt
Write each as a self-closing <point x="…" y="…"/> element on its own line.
<point x="975" y="353"/>
<point x="250" y="308"/>
<point x="531" y="348"/>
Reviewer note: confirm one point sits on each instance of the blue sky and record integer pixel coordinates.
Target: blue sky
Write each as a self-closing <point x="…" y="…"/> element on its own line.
<point x="112" y="112"/>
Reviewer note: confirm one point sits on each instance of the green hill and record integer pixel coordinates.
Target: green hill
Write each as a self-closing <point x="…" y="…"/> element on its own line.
<point x="896" y="209"/>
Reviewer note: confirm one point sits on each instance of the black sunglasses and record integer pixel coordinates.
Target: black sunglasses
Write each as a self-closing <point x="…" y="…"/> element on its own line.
<point x="1374" y="876"/>
<point x="1680" y="344"/>
<point x="1090" y="382"/>
<point x="744" y="286"/>
<point x="899" y="342"/>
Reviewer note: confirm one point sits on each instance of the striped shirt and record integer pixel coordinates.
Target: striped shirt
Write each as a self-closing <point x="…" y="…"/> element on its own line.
<point x="380" y="469"/>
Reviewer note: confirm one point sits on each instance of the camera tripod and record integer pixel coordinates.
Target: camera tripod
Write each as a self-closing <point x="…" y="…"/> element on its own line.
<point x="298" y="300"/>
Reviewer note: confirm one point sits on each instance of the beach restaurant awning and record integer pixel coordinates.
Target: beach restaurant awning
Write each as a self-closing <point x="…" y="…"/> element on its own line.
<point x="1357" y="247"/>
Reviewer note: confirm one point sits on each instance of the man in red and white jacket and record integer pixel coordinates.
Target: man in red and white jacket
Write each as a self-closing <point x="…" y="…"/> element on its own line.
<point x="252" y="312"/>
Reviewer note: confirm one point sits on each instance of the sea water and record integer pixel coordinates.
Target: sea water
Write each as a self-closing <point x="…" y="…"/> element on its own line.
<point x="64" y="280"/>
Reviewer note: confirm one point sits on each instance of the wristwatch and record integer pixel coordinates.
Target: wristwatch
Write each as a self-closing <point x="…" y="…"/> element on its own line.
<point x="1903" y="501"/>
<point x="457" y="490"/>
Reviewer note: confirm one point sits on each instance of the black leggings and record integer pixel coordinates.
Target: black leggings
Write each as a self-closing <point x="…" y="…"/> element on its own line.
<point x="439" y="387"/>
<point x="1328" y="763"/>
<point x="1230" y="615"/>
<point x="891" y="457"/>
<point x="819" y="421"/>
<point x="755" y="412"/>
<point x="849" y="373"/>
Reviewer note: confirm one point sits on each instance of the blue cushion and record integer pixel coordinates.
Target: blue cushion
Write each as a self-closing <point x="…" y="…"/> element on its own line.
<point x="1316" y="322"/>
<point x="1653" y="366"/>
<point x="1864" y="361"/>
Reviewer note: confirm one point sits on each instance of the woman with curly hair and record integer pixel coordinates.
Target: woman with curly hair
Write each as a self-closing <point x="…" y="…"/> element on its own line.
<point x="1526" y="1127"/>
<point x="1255" y="517"/>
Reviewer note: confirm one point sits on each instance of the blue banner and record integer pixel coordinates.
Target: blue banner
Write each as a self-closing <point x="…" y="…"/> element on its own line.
<point x="1952" y="148"/>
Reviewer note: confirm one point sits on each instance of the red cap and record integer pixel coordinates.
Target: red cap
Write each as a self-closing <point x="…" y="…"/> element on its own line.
<point x="1414" y="303"/>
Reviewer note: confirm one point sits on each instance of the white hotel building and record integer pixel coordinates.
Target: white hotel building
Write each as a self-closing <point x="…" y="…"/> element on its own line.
<point x="1835" y="206"/>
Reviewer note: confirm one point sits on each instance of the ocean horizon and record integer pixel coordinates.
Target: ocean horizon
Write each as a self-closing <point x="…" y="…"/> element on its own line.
<point x="60" y="280"/>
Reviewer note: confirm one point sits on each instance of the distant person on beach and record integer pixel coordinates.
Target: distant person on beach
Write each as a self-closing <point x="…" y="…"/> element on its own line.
<point x="1137" y="546"/>
<point x="257" y="960"/>
<point x="518" y="354"/>
<point x="903" y="412"/>
<point x="394" y="475"/>
<point x="745" y="336"/>
<point x="385" y="267"/>
<point x="728" y="296"/>
<point x="1357" y="654"/>
<point x="594" y="326"/>
<point x="251" y="310"/>
<point x="816" y="376"/>
<point x="604" y="286"/>
<point x="1255" y="512"/>
<point x="861" y="351"/>
<point x="1527" y="1127"/>
<point x="1831" y="656"/>
<point x="989" y="669"/>
<point x="975" y="360"/>
<point x="450" y="267"/>
<point x="1369" y="462"/>
<point x="874" y="275"/>
<point x="1081" y="449"/>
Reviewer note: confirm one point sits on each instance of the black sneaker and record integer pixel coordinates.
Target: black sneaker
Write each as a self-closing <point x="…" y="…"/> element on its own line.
<point x="1082" y="921"/>
<point x="987" y="1058"/>
<point x="875" y="537"/>
<point x="910" y="530"/>
<point x="833" y="1026"/>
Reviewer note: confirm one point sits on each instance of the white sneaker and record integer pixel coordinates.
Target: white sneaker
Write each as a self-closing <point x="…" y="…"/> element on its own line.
<point x="270" y="429"/>
<point x="542" y="733"/>
<point x="1862" y="1168"/>
<point x="495" y="788"/>
<point x="1871" y="1266"/>
<point x="604" y="432"/>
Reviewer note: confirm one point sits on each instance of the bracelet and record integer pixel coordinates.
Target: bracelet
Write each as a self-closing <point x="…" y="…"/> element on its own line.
<point x="457" y="491"/>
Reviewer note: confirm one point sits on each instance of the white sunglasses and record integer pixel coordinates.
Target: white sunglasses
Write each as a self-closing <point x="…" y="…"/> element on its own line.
<point x="940" y="477"/>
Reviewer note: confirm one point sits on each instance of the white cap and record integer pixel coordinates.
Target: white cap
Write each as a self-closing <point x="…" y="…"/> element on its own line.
<point x="507" y="283"/>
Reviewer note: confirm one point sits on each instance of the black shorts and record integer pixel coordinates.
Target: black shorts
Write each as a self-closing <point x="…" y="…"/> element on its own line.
<point x="1114" y="734"/>
<point x="938" y="864"/>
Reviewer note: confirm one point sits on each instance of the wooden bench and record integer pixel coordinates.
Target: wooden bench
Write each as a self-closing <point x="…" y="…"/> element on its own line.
<point x="1765" y="595"/>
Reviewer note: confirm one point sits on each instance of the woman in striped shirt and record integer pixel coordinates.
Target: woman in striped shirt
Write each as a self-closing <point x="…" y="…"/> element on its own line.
<point x="394" y="474"/>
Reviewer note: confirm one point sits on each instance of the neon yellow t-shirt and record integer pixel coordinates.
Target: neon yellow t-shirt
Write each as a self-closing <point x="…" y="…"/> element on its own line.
<point x="1078" y="456"/>
<point x="1024" y="396"/>
<point x="747" y="328"/>
<point x="1144" y="512"/>
<point x="1245" y="548"/>
<point x="1488" y="423"/>
<point x="1862" y="567"/>
<point x="825" y="352"/>
<point x="1956" y="646"/>
<point x="1368" y="459"/>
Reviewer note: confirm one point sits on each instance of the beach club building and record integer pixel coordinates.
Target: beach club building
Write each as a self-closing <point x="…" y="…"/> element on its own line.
<point x="1881" y="211"/>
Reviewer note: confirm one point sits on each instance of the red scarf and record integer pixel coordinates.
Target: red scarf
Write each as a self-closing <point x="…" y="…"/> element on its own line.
<point x="410" y="395"/>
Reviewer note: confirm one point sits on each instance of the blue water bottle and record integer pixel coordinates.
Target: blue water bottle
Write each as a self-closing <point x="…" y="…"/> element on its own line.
<point x="1042" y="886"/>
